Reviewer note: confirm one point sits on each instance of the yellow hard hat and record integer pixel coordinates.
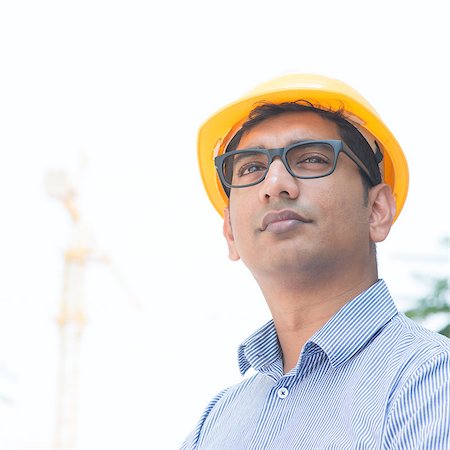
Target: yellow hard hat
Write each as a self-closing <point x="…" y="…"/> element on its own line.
<point x="325" y="93"/>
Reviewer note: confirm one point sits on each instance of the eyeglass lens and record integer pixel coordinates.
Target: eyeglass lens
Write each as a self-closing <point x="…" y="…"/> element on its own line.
<point x="309" y="160"/>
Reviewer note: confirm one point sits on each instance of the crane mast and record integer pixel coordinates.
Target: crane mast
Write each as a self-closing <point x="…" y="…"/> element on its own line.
<point x="71" y="317"/>
<point x="71" y="321"/>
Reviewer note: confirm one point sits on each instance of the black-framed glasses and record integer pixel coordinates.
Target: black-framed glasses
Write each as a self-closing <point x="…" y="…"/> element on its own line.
<point x="304" y="159"/>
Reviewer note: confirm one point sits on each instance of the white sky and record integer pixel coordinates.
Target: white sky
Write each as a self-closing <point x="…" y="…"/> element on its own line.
<point x="129" y="83"/>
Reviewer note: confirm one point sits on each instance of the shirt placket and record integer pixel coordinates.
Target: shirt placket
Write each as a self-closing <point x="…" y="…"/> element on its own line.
<point x="279" y="402"/>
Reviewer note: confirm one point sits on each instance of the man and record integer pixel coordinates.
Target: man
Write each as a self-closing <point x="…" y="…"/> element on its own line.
<point x="309" y="181"/>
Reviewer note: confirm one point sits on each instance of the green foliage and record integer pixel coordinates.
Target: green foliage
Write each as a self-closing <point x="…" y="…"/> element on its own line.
<point x="435" y="302"/>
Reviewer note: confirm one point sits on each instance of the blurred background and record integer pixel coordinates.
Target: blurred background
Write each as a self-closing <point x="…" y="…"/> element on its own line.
<point x="102" y="206"/>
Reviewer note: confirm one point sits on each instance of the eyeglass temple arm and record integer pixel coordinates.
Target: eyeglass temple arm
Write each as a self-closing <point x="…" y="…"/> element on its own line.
<point x="378" y="158"/>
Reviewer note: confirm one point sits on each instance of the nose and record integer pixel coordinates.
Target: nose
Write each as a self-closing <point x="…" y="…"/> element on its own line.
<point x="278" y="182"/>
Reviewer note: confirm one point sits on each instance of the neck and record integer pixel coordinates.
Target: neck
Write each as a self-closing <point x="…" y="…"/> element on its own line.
<point x="300" y="306"/>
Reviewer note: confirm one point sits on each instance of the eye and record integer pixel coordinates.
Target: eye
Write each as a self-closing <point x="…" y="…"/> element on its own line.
<point x="249" y="168"/>
<point x="311" y="156"/>
<point x="248" y="163"/>
<point x="313" y="159"/>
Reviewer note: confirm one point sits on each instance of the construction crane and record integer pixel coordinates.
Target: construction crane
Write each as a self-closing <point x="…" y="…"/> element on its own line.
<point x="71" y="318"/>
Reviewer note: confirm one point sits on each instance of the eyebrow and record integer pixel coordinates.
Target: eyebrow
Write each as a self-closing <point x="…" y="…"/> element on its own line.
<point x="292" y="141"/>
<point x="241" y="156"/>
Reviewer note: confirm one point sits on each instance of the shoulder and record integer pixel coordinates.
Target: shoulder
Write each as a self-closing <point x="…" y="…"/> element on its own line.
<point x="422" y="361"/>
<point x="412" y="342"/>
<point x="245" y="389"/>
<point x="401" y="351"/>
<point x="424" y="351"/>
<point x="214" y="408"/>
<point x="418" y="403"/>
<point x="419" y="411"/>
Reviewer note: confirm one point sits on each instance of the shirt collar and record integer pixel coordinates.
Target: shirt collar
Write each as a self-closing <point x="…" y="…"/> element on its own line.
<point x="260" y="349"/>
<point x="355" y="324"/>
<point x="340" y="338"/>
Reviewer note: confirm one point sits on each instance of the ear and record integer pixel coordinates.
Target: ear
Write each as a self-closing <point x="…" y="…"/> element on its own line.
<point x="382" y="212"/>
<point x="228" y="233"/>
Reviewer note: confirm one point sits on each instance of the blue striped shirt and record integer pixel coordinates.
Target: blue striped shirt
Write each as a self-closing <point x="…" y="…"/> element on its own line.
<point x="370" y="378"/>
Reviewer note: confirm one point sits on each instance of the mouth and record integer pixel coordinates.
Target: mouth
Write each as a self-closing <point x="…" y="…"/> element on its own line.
<point x="281" y="221"/>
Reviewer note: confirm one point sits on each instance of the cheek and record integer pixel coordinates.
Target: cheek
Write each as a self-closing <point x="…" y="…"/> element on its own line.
<point x="242" y="232"/>
<point x="240" y="221"/>
<point x="343" y="203"/>
<point x="242" y="208"/>
<point x="245" y="230"/>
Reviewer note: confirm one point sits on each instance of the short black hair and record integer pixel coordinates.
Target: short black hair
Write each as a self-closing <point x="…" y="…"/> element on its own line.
<point x="349" y="133"/>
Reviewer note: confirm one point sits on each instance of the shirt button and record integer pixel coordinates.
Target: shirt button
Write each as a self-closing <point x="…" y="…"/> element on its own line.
<point x="283" y="392"/>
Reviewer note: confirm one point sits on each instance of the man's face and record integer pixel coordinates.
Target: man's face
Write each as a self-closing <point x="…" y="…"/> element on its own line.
<point x="292" y="225"/>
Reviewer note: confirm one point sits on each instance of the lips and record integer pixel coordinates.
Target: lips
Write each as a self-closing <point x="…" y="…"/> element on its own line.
<point x="281" y="220"/>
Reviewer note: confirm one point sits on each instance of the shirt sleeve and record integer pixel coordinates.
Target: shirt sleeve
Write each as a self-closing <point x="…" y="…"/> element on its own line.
<point x="191" y="442"/>
<point x="420" y="416"/>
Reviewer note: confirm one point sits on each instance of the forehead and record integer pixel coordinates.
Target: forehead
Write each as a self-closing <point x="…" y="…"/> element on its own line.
<point x="287" y="128"/>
